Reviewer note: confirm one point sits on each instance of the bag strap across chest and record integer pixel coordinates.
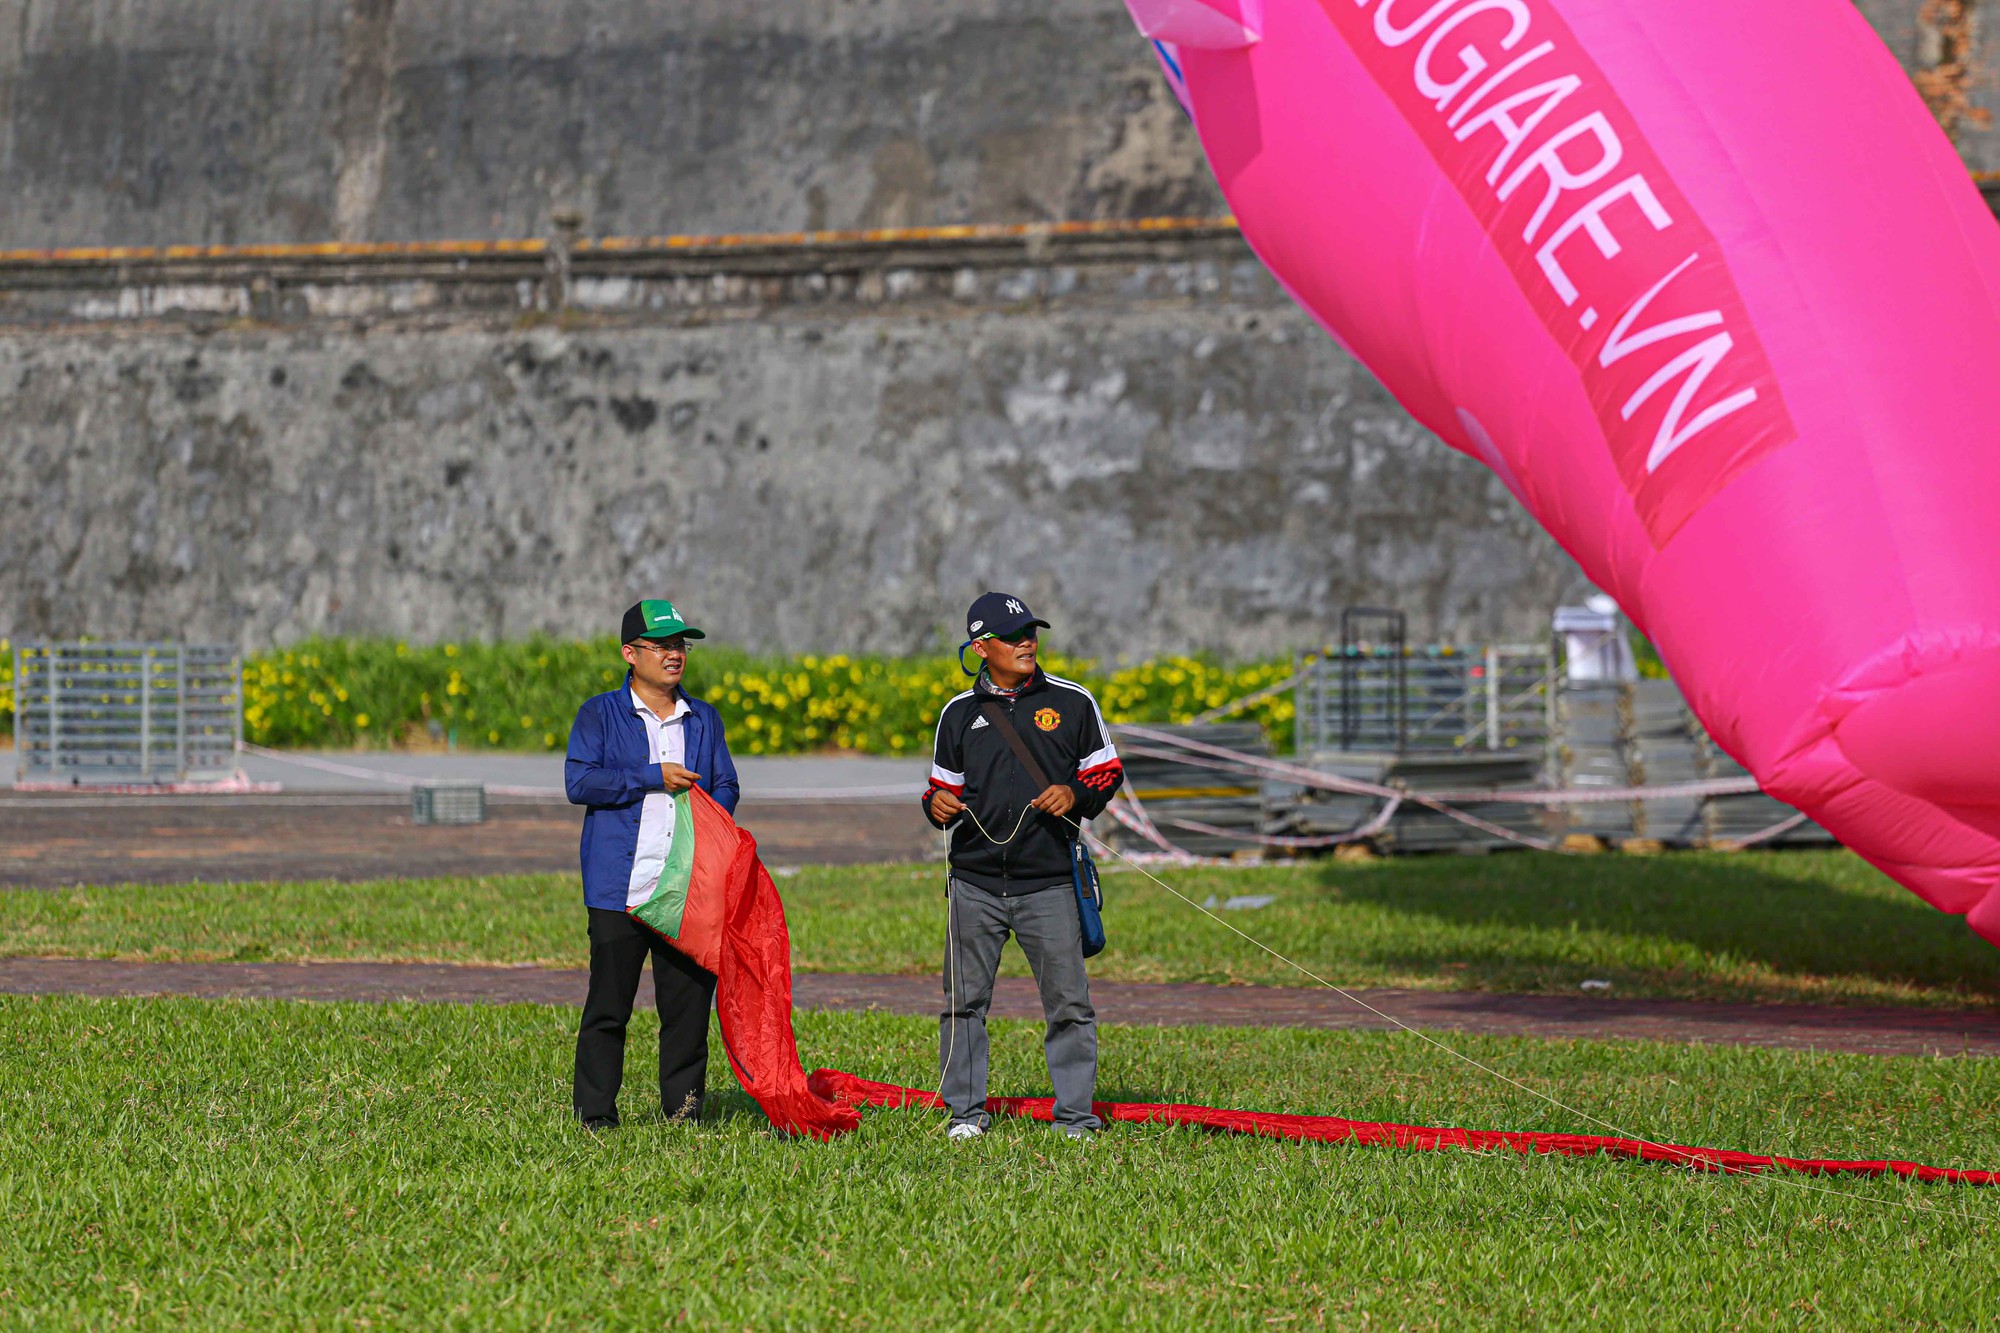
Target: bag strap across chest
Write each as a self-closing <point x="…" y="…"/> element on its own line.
<point x="997" y="715"/>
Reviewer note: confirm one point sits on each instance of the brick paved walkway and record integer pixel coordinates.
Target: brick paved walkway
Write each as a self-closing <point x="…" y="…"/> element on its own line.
<point x="1865" y="1031"/>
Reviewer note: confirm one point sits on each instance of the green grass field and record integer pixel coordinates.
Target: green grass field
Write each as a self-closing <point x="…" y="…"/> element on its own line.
<point x="1784" y="926"/>
<point x="170" y="1163"/>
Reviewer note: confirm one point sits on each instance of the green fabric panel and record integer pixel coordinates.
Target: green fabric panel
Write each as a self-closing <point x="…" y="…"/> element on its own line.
<point x="664" y="910"/>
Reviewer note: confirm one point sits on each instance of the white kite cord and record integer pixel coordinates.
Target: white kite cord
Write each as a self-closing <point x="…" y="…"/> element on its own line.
<point x="1692" y="1159"/>
<point x="951" y="947"/>
<point x="951" y="983"/>
<point x="1001" y="842"/>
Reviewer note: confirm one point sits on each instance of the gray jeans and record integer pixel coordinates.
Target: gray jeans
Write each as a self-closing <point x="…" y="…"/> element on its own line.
<point x="1045" y="923"/>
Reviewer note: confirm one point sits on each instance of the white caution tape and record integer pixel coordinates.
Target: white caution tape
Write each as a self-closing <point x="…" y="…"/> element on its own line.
<point x="1225" y="759"/>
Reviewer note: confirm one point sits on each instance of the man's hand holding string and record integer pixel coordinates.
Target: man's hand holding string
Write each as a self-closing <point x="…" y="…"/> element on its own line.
<point x="1058" y="800"/>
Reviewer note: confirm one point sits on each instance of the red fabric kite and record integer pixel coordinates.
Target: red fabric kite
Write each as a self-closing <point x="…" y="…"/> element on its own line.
<point x="1334" y="1129"/>
<point x="716" y="903"/>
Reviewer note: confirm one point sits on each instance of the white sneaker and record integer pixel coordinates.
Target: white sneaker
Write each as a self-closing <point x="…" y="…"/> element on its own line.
<point x="967" y="1130"/>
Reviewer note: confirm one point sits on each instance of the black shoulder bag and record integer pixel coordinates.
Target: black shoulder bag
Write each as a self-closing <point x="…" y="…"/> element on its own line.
<point x="1083" y="870"/>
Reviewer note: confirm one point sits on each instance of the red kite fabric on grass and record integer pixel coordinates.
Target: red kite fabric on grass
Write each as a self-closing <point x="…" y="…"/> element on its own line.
<point x="1333" y="1129"/>
<point x="716" y="903"/>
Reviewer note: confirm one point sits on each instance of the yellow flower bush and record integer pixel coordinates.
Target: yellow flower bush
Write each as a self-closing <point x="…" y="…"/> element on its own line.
<point x="1177" y="689"/>
<point x="522" y="695"/>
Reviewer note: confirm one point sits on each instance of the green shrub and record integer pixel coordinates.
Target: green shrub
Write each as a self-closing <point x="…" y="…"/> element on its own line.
<point x="522" y="696"/>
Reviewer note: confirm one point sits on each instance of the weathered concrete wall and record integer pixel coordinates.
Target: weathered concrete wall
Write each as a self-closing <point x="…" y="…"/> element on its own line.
<point x="140" y="122"/>
<point x="1206" y="474"/>
<point x="234" y="121"/>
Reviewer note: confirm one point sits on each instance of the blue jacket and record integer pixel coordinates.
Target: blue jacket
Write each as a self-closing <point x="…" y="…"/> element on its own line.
<point x="608" y="774"/>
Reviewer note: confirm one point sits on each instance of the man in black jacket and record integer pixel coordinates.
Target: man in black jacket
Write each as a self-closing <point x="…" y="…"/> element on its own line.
<point x="1010" y="857"/>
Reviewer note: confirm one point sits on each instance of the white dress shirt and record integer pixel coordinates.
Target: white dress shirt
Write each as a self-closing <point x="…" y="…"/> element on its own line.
<point x="666" y="743"/>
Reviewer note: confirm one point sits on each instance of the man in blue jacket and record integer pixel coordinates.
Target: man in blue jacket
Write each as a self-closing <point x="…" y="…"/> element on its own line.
<point x="631" y="750"/>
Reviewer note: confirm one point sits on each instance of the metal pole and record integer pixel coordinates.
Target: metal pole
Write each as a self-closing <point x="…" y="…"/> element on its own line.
<point x="55" y="711"/>
<point x="236" y="684"/>
<point x="1349" y="679"/>
<point x="1492" y="697"/>
<point x="1553" y="718"/>
<point x="1301" y="700"/>
<point x="146" y="714"/>
<point x="180" y="713"/>
<point x="1402" y="681"/>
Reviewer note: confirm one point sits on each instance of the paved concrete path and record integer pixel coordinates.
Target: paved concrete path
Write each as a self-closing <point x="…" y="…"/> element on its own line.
<point x="812" y="809"/>
<point x="1913" y="1032"/>
<point x="51" y="840"/>
<point x="790" y="775"/>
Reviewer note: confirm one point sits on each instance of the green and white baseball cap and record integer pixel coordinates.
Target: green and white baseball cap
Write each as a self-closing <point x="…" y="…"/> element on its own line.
<point x="656" y="618"/>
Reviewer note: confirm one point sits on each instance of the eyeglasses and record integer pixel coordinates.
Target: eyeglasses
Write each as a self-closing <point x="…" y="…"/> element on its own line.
<point x="1018" y="636"/>
<point x="664" y="647"/>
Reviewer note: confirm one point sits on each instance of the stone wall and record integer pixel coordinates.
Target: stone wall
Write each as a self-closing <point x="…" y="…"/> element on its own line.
<point x="237" y="121"/>
<point x="1161" y="456"/>
<point x="149" y="122"/>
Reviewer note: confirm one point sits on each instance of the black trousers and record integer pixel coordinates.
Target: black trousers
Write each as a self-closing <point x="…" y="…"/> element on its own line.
<point x="683" y="993"/>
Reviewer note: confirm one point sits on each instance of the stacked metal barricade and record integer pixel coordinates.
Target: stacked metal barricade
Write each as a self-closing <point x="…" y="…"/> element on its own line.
<point x="1489" y="733"/>
<point x="126" y="713"/>
<point x="1427" y="720"/>
<point x="1181" y="790"/>
<point x="1642" y="734"/>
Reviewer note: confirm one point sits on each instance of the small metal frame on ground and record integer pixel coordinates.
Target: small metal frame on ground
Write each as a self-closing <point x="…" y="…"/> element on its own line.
<point x="146" y="714"/>
<point x="442" y="801"/>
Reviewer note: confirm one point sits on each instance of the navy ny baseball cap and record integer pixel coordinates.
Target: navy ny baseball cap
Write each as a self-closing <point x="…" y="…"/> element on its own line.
<point x="998" y="614"/>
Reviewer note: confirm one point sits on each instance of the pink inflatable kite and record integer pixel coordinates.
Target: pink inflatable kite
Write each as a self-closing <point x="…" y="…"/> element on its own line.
<point x="1704" y="283"/>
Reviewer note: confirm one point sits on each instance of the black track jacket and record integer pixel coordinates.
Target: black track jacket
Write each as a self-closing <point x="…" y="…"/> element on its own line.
<point x="1065" y="732"/>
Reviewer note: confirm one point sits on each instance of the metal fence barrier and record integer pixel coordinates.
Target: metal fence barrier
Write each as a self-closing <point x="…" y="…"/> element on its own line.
<point x="126" y="712"/>
<point x="1395" y="700"/>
